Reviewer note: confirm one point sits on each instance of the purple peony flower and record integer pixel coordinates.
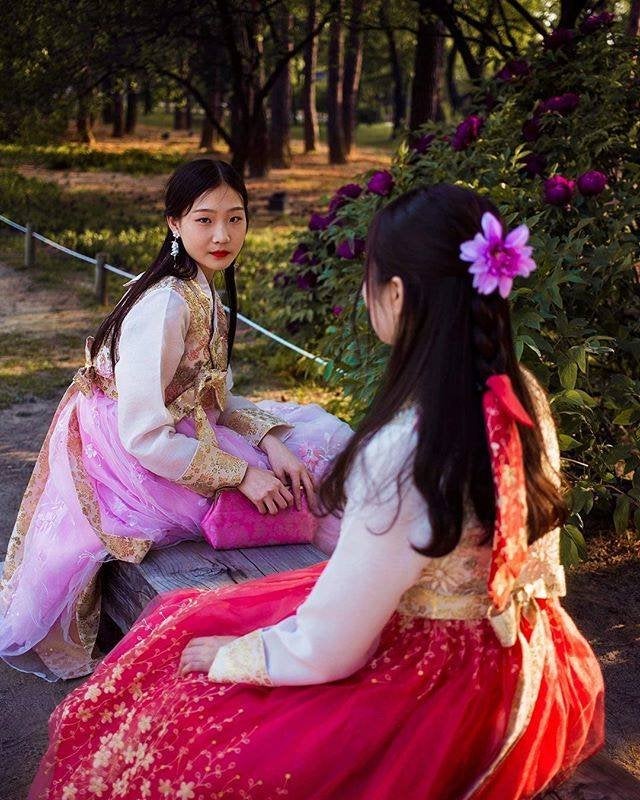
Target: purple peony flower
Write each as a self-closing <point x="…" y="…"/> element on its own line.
<point x="591" y="183"/>
<point x="512" y="70"/>
<point x="350" y="190"/>
<point x="300" y="255"/>
<point x="280" y="280"/>
<point x="319" y="223"/>
<point x="562" y="103"/>
<point x="337" y="310"/>
<point x="467" y="132"/>
<point x="534" y="164"/>
<point x="497" y="259"/>
<point x="558" y="38"/>
<point x="381" y="182"/>
<point x="349" y="251"/>
<point x="490" y="102"/>
<point x="594" y="22"/>
<point x="558" y="190"/>
<point x="531" y="129"/>
<point x="306" y="280"/>
<point x="423" y="143"/>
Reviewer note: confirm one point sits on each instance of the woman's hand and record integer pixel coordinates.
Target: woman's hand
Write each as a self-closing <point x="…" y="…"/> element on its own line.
<point x="289" y="469"/>
<point x="198" y="655"/>
<point x="265" y="490"/>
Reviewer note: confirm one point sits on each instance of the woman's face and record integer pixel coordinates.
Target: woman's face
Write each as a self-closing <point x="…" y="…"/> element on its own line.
<point x="385" y="308"/>
<point x="213" y="231"/>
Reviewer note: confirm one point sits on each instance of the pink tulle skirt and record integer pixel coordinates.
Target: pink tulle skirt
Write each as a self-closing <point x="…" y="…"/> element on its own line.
<point x="61" y="553"/>
<point x="423" y="719"/>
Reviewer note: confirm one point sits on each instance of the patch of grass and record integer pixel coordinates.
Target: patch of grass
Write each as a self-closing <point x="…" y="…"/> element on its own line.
<point x="36" y="366"/>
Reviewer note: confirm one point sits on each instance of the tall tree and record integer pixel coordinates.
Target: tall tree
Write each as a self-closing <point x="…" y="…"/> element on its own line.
<point x="352" y="72"/>
<point x="280" y="98"/>
<point x="311" y="128"/>
<point x="634" y="18"/>
<point x="428" y="68"/>
<point x="335" y="72"/>
<point x="131" y="119"/>
<point x="570" y="11"/>
<point x="399" y="96"/>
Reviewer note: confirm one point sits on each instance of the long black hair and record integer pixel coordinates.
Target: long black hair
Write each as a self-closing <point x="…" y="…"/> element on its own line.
<point x="185" y="185"/>
<point x="450" y="340"/>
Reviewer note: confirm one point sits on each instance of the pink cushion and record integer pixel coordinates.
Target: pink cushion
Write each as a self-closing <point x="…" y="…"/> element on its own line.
<point x="233" y="521"/>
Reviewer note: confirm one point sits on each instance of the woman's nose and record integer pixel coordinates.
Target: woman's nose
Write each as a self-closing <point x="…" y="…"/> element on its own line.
<point x="220" y="233"/>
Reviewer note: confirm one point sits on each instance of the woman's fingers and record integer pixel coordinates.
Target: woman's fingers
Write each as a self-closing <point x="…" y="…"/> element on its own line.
<point x="270" y="505"/>
<point x="310" y="491"/>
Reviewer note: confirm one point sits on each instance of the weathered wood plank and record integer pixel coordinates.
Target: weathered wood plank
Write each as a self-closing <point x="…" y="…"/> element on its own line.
<point x="599" y="778"/>
<point x="127" y="588"/>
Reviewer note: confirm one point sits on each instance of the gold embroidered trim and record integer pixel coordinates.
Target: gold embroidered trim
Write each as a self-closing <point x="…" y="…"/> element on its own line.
<point x="241" y="661"/>
<point x="254" y="423"/>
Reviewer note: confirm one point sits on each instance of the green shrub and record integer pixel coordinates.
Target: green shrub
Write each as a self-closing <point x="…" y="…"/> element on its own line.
<point x="577" y="318"/>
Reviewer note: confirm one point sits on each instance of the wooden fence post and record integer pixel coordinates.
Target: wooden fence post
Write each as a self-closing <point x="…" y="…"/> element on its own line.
<point x="29" y="247"/>
<point x="100" y="279"/>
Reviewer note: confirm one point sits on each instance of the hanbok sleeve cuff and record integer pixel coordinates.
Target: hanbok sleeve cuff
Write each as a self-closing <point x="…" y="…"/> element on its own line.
<point x="212" y="469"/>
<point x="241" y="661"/>
<point x="253" y="423"/>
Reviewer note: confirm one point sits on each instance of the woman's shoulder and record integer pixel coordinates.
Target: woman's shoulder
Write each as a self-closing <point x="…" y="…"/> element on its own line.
<point x="389" y="450"/>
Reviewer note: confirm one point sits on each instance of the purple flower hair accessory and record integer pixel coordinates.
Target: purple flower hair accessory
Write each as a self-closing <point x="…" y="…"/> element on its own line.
<point x="497" y="259"/>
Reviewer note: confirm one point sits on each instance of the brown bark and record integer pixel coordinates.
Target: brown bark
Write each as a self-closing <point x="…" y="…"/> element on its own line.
<point x="311" y="129"/>
<point x="399" y="99"/>
<point x="84" y="121"/>
<point x="132" y="110"/>
<point x="335" y="69"/>
<point x="280" y="101"/>
<point x="427" y="73"/>
<point x="209" y="135"/>
<point x="352" y="72"/>
<point x="117" y="102"/>
<point x="569" y="12"/>
<point x="634" y="18"/>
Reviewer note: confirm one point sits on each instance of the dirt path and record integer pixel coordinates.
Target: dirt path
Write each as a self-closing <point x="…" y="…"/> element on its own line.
<point x="604" y="593"/>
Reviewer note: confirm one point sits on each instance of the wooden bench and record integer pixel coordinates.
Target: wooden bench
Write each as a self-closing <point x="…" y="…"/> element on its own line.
<point x="127" y="588"/>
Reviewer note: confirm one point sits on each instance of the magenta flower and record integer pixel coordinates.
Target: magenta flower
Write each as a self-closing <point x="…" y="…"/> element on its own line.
<point x="306" y="280"/>
<point x="423" y="143"/>
<point x="497" y="259"/>
<point x="534" y="164"/>
<point x="350" y="251"/>
<point x="594" y="22"/>
<point x="531" y="129"/>
<point x="512" y="70"/>
<point x="337" y="310"/>
<point x="562" y="103"/>
<point x="381" y="182"/>
<point x="280" y="280"/>
<point x="350" y="190"/>
<point x="558" y="38"/>
<point x="300" y="255"/>
<point x="467" y="132"/>
<point x="558" y="190"/>
<point x="319" y="223"/>
<point x="591" y="183"/>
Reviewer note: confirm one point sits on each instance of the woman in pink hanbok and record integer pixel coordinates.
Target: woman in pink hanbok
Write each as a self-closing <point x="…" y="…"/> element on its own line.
<point x="147" y="434"/>
<point x="430" y="657"/>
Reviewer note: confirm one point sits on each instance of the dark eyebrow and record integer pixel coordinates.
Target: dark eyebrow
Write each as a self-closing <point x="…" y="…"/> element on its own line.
<point x="213" y="210"/>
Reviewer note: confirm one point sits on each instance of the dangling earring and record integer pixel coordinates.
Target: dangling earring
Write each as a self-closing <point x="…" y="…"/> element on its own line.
<point x="175" y="246"/>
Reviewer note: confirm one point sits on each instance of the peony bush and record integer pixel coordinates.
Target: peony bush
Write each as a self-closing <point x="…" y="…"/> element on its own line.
<point x="553" y="140"/>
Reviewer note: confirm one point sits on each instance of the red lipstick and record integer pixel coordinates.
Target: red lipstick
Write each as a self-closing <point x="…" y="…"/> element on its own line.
<point x="220" y="253"/>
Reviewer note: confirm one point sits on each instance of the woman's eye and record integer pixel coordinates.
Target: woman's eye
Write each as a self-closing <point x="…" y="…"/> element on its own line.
<point x="236" y="219"/>
<point x="203" y="219"/>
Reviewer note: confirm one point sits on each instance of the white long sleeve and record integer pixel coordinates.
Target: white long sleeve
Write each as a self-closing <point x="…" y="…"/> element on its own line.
<point x="150" y="348"/>
<point x="335" y="630"/>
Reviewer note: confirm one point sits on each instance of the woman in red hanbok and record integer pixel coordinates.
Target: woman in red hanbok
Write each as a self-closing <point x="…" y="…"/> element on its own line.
<point x="430" y="657"/>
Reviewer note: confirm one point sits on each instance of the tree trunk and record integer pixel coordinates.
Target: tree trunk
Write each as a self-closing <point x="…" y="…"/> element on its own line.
<point x="209" y="135"/>
<point x="428" y="63"/>
<point x="147" y="96"/>
<point x="188" y="120"/>
<point x="118" y="115"/>
<point x="634" y="18"/>
<point x="311" y="132"/>
<point x="352" y="72"/>
<point x="335" y="131"/>
<point x="84" y="123"/>
<point x="132" y="110"/>
<point x="258" y="155"/>
<point x="107" y="103"/>
<point x="399" y="99"/>
<point x="569" y="12"/>
<point x="452" y="87"/>
<point x="280" y="101"/>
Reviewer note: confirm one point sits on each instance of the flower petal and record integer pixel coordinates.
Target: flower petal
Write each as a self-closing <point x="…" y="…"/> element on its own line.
<point x="518" y="237"/>
<point x="491" y="227"/>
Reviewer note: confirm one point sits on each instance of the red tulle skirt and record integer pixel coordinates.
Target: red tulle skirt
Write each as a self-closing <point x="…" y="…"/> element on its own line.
<point x="424" y="719"/>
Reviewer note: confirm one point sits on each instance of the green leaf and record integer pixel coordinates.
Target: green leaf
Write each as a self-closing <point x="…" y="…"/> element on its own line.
<point x="568" y="374"/>
<point x="568" y="442"/>
<point x="627" y="416"/>
<point x="621" y="514"/>
<point x="573" y="548"/>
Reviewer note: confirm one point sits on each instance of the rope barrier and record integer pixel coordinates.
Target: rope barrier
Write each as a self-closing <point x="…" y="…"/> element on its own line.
<point x="130" y="276"/>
